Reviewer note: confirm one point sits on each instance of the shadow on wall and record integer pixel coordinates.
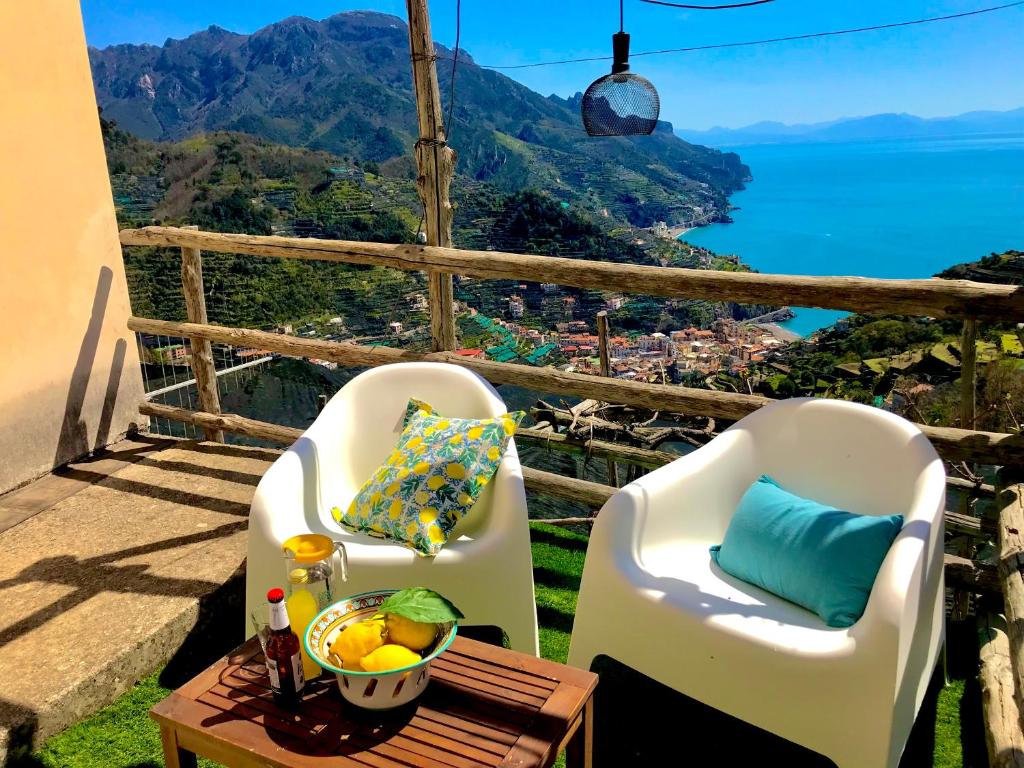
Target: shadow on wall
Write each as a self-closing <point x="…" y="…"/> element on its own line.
<point x="74" y="433"/>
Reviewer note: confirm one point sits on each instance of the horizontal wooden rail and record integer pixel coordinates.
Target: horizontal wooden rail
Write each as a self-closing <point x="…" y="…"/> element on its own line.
<point x="593" y="494"/>
<point x="601" y="449"/>
<point x="953" y="444"/>
<point x="960" y="571"/>
<point x="931" y="298"/>
<point x="970" y="525"/>
<point x="970" y="487"/>
<point x="665" y="397"/>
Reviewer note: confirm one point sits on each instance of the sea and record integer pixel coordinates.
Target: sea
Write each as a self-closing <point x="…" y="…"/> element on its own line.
<point x="896" y="209"/>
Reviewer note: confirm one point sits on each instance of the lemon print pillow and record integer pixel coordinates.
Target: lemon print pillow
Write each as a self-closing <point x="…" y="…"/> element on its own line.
<point x="432" y="478"/>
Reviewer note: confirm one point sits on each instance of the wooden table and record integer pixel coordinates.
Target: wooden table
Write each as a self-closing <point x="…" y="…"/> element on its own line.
<point x="485" y="706"/>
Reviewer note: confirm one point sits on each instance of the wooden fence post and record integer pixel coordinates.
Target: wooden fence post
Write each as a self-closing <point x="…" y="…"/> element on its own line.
<point x="968" y="367"/>
<point x="602" y="342"/>
<point x="202" y="350"/>
<point x="435" y="161"/>
<point x="999" y="707"/>
<point x="606" y="370"/>
<point x="968" y="372"/>
<point x="1010" y="503"/>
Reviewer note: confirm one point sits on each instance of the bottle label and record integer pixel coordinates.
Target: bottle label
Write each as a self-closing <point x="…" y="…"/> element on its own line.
<point x="278" y="615"/>
<point x="275" y="678"/>
<point x="297" y="674"/>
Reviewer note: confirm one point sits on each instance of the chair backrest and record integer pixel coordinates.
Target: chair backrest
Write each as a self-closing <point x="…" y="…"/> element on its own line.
<point x="849" y="455"/>
<point x="359" y="427"/>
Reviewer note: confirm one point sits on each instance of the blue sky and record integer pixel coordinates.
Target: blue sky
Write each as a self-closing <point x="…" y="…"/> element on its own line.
<point x="929" y="70"/>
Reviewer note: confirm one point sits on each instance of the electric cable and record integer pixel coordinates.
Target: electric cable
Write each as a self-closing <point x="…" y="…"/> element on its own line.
<point x="765" y="41"/>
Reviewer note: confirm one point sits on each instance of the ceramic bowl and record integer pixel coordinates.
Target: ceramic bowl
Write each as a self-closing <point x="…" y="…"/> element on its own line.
<point x="370" y="690"/>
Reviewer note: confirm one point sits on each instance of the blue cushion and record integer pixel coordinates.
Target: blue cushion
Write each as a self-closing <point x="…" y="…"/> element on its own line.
<point x="816" y="556"/>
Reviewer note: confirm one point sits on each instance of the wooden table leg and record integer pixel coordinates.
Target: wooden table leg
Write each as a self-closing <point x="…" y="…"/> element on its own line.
<point x="174" y="755"/>
<point x="579" y="752"/>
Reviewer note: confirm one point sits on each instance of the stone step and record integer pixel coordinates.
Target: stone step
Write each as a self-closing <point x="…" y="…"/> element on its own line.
<point x="118" y="565"/>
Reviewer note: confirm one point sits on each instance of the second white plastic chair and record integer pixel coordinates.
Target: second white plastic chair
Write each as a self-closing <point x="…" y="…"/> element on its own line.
<point x="652" y="598"/>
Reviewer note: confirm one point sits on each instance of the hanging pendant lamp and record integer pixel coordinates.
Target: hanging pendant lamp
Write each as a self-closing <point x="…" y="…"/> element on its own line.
<point x="622" y="103"/>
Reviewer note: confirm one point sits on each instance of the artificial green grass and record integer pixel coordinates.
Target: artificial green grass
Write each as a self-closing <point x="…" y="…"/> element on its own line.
<point x="118" y="736"/>
<point x="123" y="736"/>
<point x="949" y="751"/>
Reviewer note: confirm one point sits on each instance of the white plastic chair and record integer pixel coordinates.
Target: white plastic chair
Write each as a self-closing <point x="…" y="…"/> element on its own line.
<point x="652" y="598"/>
<point x="486" y="568"/>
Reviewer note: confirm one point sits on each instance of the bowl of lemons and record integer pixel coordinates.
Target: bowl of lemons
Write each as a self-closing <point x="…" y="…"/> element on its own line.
<point x="380" y="644"/>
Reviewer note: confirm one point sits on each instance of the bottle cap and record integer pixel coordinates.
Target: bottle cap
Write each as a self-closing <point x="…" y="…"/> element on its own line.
<point x="298" y="576"/>
<point x="275" y="595"/>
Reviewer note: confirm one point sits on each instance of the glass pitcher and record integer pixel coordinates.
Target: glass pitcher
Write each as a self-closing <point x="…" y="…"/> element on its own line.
<point x="309" y="566"/>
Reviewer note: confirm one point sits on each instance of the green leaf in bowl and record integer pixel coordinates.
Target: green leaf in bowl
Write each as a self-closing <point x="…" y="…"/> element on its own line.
<point x="421" y="604"/>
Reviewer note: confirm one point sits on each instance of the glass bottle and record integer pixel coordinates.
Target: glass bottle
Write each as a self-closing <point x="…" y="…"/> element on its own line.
<point x="284" y="660"/>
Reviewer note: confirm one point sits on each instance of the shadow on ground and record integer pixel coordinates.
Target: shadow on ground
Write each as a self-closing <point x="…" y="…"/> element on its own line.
<point x="639" y="722"/>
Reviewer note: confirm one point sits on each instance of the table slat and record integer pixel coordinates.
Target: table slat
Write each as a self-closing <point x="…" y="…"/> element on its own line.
<point x="485" y="707"/>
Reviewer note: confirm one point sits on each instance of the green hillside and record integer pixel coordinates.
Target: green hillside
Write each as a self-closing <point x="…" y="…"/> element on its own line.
<point x="910" y="364"/>
<point x="233" y="182"/>
<point x="343" y="85"/>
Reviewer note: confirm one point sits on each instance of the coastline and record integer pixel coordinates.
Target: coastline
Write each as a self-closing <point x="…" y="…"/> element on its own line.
<point x="780" y="333"/>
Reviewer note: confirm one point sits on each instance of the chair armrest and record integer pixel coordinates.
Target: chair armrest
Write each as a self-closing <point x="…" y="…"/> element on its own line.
<point x="287" y="499"/>
<point x="689" y="501"/>
<point x="910" y="581"/>
<point x="694" y="497"/>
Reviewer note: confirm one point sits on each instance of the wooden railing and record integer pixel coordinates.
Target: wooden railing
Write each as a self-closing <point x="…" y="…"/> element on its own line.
<point x="961" y="299"/>
<point x="937" y="298"/>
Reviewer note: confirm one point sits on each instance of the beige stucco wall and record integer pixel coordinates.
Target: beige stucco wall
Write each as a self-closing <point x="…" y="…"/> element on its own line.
<point x="69" y="370"/>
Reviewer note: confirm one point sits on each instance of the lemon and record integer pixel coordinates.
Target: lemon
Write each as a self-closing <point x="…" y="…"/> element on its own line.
<point x="415" y="635"/>
<point x="388" y="657"/>
<point x="428" y="515"/>
<point x="359" y="639"/>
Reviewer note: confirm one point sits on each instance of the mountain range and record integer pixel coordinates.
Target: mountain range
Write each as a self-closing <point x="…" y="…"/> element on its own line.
<point x="343" y="85"/>
<point x="870" y="128"/>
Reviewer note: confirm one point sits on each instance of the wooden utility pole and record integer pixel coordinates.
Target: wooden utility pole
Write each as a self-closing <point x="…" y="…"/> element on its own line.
<point x="202" y="351"/>
<point x="435" y="162"/>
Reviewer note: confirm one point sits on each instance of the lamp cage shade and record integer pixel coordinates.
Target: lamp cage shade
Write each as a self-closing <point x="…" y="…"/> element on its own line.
<point x="622" y="103"/>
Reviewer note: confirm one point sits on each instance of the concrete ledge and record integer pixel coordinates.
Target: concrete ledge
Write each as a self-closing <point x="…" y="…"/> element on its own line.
<point x="141" y="565"/>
